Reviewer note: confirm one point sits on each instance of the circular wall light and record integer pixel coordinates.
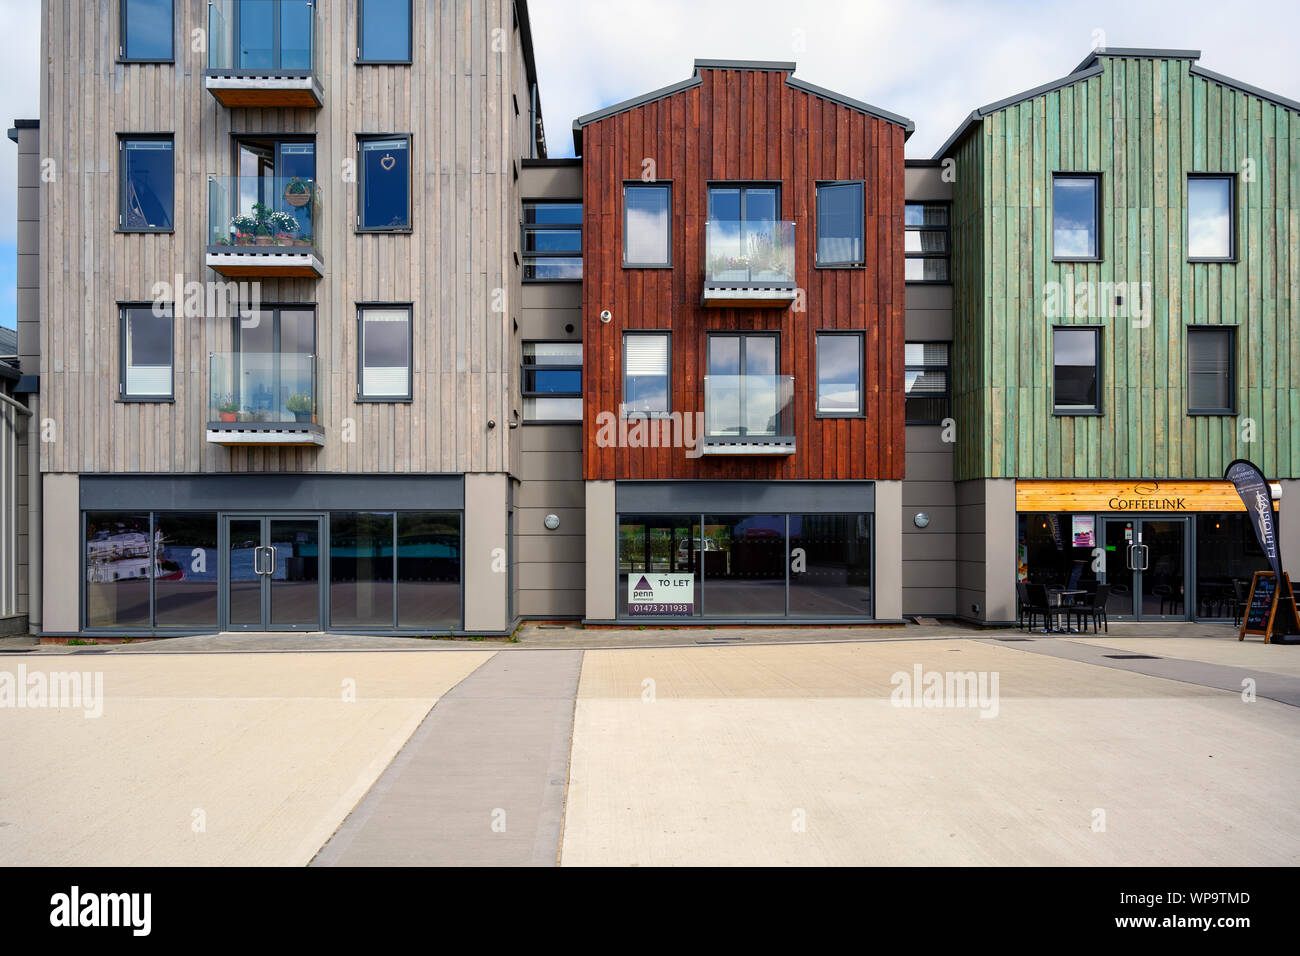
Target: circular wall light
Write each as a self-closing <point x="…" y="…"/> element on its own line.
<point x="921" y="519"/>
<point x="552" y="522"/>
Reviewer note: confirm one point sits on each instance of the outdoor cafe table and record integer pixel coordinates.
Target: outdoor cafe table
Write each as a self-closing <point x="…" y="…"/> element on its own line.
<point x="1058" y="600"/>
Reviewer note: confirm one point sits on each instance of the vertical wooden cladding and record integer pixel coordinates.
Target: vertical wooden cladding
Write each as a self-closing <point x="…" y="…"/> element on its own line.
<point x="746" y="125"/>
<point x="1143" y="124"/>
<point x="456" y="102"/>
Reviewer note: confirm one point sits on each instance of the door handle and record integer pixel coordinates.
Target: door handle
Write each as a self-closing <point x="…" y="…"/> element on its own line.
<point x="257" y="560"/>
<point x="271" y="548"/>
<point x="1146" y="556"/>
<point x="1132" y="553"/>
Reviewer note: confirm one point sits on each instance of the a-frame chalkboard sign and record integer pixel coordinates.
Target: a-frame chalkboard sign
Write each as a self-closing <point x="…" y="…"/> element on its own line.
<point x="1270" y="610"/>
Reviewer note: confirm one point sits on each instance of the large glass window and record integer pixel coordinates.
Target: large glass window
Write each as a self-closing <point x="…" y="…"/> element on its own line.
<point x="1210" y="358"/>
<point x="743" y="394"/>
<point x="428" y="570"/>
<point x="1076" y="216"/>
<point x="147" y="199"/>
<point x="147" y="30"/>
<point x="645" y="373"/>
<point x="647" y="234"/>
<point x="385" y="186"/>
<point x="146" y="353"/>
<point x="839" y="373"/>
<point x="117" y="569"/>
<point x="1056" y="550"/>
<point x="552" y="241"/>
<point x="925" y="242"/>
<point x="840" y="224"/>
<point x="361" y="569"/>
<point x="1209" y="218"/>
<point x="830" y="565"/>
<point x="385" y="353"/>
<point x="274" y="369"/>
<point x="1076" y="359"/>
<point x="1227" y="556"/>
<point x="663" y="544"/>
<point x="926" y="383"/>
<point x="748" y="579"/>
<point x="552" y="389"/>
<point x="384" y="31"/>
<point x="185" y="569"/>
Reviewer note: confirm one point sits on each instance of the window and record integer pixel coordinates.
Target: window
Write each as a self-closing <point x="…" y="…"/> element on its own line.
<point x="925" y="241"/>
<point x="743" y="394"/>
<point x="385" y="354"/>
<point x="840" y="224"/>
<point x="647" y="233"/>
<point x="271" y="375"/>
<point x="385" y="187"/>
<point x="1210" y="362"/>
<point x="839" y="374"/>
<point x="384" y="31"/>
<point x="1076" y="216"/>
<point x="147" y="186"/>
<point x="185" y="569"/>
<point x="645" y="373"/>
<point x="1076" y="359"/>
<point x="146" y="353"/>
<point x="928" y="395"/>
<point x="117" y="568"/>
<point x="147" y="31"/>
<point x="1210" y="215"/>
<point x="552" y="381"/>
<point x="552" y="241"/>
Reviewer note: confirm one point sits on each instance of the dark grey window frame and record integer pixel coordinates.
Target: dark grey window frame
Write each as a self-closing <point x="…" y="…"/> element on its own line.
<point x="525" y="227"/>
<point x="361" y="227"/>
<point x="1097" y="211"/>
<point x="817" y="211"/>
<point x="945" y="229"/>
<point x="629" y="414"/>
<point x="523" y="378"/>
<point x="653" y="184"/>
<point x="1231" y="332"/>
<point x="121" y="38"/>
<point x="361" y="40"/>
<point x="947" y="370"/>
<point x="409" y="397"/>
<point x="1232" y="216"/>
<point x="743" y="334"/>
<point x="1067" y="411"/>
<point x="122" y="395"/>
<point x="862" y="372"/>
<point x="155" y="137"/>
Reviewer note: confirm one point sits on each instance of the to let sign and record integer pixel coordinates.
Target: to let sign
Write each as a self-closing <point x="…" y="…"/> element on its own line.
<point x="660" y="595"/>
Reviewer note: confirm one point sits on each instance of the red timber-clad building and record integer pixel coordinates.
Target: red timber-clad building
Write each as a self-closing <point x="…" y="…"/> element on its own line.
<point x="743" y="329"/>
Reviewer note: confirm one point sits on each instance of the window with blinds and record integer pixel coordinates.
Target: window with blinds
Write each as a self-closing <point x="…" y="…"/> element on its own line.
<point x="645" y="373"/>
<point x="1210" y="360"/>
<point x="925" y="242"/>
<point x="385" y="353"/>
<point x="552" y="385"/>
<point x="146" y="354"/>
<point x="926" y="383"/>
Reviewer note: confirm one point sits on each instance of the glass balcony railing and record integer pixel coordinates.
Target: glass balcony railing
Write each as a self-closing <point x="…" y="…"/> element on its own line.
<point x="251" y="213"/>
<point x="270" y="388"/>
<point x="742" y="252"/>
<point x="740" y="409"/>
<point x="262" y="38"/>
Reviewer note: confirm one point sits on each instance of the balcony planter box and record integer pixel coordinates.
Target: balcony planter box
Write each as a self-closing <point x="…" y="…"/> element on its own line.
<point x="228" y="416"/>
<point x="304" y="417"/>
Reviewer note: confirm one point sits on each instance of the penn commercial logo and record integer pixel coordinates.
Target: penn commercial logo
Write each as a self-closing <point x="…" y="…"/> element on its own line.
<point x="94" y="910"/>
<point x="642" y="591"/>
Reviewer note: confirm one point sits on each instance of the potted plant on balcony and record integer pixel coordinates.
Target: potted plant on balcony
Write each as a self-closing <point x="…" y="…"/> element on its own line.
<point x="282" y="227"/>
<point x="263" y="235"/>
<point x="298" y="192"/>
<point x="729" y="269"/>
<point x="228" y="408"/>
<point x="244" y="229"/>
<point x="300" y="404"/>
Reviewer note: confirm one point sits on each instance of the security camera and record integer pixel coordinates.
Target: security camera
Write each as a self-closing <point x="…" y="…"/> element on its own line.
<point x="606" y="316"/>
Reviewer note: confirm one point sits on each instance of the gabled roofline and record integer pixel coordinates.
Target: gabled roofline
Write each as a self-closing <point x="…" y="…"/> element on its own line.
<point x="1198" y="70"/>
<point x="695" y="80"/>
<point x="1145" y="53"/>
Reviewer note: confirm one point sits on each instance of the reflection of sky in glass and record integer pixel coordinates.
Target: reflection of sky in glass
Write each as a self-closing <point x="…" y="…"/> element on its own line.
<point x="149" y="29"/>
<point x="1208" y="225"/>
<point x="838" y="373"/>
<point x="1074" y="224"/>
<point x="1074" y="347"/>
<point x="647" y="225"/>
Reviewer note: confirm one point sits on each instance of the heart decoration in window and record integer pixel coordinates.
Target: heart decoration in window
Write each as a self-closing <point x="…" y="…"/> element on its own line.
<point x="388" y="162"/>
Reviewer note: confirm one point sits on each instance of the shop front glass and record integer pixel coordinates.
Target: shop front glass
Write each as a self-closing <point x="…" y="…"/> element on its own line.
<point x="1227" y="556"/>
<point x="1055" y="549"/>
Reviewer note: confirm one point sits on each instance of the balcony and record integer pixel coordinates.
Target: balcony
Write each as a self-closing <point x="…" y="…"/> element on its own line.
<point x="748" y="415"/>
<point x="262" y="398"/>
<point x="748" y="264"/>
<point x="262" y="54"/>
<point x="263" y="226"/>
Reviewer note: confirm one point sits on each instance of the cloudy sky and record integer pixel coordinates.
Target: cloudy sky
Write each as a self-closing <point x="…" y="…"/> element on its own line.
<point x="931" y="60"/>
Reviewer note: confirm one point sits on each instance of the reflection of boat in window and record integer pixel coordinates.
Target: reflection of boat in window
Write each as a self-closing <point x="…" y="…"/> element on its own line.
<point x="125" y="556"/>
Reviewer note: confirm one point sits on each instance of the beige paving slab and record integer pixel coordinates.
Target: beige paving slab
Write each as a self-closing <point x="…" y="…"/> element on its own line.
<point x="795" y="755"/>
<point x="1251" y="653"/>
<point x="263" y="750"/>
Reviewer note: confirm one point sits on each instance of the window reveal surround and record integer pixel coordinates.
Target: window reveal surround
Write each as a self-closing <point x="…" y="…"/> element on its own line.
<point x="1199" y="193"/>
<point x="1068" y="343"/>
<point x="141" y="375"/>
<point x="383" y="379"/>
<point x="822" y="369"/>
<point x="662" y="211"/>
<point x="1203" y="364"/>
<point x="1070" y="199"/>
<point x="146" y="193"/>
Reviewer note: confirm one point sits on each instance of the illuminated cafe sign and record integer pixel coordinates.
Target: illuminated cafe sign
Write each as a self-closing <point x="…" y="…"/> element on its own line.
<point x="1126" y="496"/>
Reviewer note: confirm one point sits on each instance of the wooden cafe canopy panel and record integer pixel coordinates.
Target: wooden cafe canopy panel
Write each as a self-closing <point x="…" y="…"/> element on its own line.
<point x="1135" y="496"/>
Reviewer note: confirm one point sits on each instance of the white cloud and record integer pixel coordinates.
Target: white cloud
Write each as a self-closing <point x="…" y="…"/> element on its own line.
<point x="20" y="25"/>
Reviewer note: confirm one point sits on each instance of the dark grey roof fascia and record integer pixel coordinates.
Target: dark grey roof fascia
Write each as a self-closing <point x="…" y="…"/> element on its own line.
<point x="978" y="115"/>
<point x="633" y="103"/>
<point x="1198" y="70"/>
<point x="852" y="104"/>
<point x="1136" y="51"/>
<point x="13" y="134"/>
<point x="552" y="161"/>
<point x="27" y="124"/>
<point x="922" y="163"/>
<point x="774" y="65"/>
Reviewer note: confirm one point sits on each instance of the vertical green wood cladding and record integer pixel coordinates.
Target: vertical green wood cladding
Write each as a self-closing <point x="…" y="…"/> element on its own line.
<point x="1143" y="124"/>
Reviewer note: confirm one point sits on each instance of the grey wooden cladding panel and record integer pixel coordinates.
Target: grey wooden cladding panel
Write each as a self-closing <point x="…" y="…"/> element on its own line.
<point x="455" y="101"/>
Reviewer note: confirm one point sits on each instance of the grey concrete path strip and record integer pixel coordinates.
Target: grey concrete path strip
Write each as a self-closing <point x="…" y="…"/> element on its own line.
<point x="482" y="780"/>
<point x="1279" y="687"/>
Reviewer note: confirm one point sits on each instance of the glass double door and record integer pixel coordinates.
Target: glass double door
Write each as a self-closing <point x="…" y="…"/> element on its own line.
<point x="1146" y="568"/>
<point x="272" y="572"/>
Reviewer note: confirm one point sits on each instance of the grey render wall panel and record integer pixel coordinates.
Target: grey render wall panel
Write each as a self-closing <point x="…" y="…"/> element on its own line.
<point x="926" y="183"/>
<point x="552" y="603"/>
<point x="922" y="494"/>
<point x="273" y="492"/>
<point x="533" y="520"/>
<point x="928" y="298"/>
<point x="551" y="466"/>
<point x="743" y="497"/>
<point x="929" y="325"/>
<point x="551" y="182"/>
<point x="924" y="547"/>
<point x="552" y="438"/>
<point x="547" y="575"/>
<point x="551" y="494"/>
<point x="550" y="546"/>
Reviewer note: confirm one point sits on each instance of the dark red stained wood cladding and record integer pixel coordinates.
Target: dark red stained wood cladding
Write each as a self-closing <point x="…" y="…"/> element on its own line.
<point x="746" y="125"/>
